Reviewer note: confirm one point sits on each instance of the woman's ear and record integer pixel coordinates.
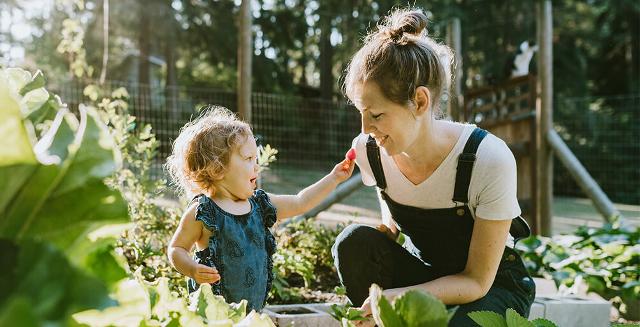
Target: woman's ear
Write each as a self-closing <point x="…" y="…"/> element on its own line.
<point x="422" y="100"/>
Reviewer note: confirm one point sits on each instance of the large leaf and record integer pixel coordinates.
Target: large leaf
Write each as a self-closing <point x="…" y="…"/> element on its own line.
<point x="516" y="320"/>
<point x="418" y="308"/>
<point x="66" y="194"/>
<point x="133" y="307"/>
<point x="43" y="287"/>
<point x="16" y="154"/>
<point x="382" y="311"/>
<point x="488" y="319"/>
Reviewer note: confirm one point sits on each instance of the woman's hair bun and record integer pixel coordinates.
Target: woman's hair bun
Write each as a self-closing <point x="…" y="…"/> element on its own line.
<point x="401" y="21"/>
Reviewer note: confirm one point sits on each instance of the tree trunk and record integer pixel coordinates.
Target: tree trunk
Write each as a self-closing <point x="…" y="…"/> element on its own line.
<point x="144" y="45"/>
<point x="326" y="54"/>
<point x="245" y="54"/>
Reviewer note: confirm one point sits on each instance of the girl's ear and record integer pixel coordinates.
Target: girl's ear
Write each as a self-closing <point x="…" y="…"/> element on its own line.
<point x="422" y="100"/>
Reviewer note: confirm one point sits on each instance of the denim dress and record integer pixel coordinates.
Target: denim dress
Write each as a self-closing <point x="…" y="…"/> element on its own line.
<point x="240" y="248"/>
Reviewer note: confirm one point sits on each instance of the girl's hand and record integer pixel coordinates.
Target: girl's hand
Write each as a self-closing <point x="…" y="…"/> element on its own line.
<point x="344" y="169"/>
<point x="205" y="274"/>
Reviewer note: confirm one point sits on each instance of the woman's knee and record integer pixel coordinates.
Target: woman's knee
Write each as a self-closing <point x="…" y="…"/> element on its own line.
<point x="354" y="240"/>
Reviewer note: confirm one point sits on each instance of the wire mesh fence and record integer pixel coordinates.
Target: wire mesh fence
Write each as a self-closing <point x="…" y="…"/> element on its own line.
<point x="313" y="134"/>
<point x="604" y="134"/>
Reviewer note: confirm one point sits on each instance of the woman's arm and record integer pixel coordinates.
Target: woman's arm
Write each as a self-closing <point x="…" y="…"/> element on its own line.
<point x="388" y="226"/>
<point x="485" y="252"/>
<point x="292" y="205"/>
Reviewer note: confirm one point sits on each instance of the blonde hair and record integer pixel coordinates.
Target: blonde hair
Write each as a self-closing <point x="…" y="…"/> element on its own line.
<point x="201" y="151"/>
<point x="399" y="56"/>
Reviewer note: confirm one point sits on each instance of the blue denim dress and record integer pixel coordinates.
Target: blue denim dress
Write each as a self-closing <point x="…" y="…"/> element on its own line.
<point x="240" y="248"/>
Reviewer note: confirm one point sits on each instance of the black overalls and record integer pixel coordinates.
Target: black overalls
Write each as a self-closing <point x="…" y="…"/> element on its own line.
<point x="437" y="245"/>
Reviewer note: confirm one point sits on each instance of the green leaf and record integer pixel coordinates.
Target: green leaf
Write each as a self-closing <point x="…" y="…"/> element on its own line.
<point x="516" y="320"/>
<point x="383" y="313"/>
<point x="488" y="319"/>
<point x="419" y="308"/>
<point x="37" y="81"/>
<point x="17" y="159"/>
<point x="132" y="310"/>
<point x="19" y="311"/>
<point x="45" y="279"/>
<point x="45" y="112"/>
<point x="541" y="322"/>
<point x="66" y="196"/>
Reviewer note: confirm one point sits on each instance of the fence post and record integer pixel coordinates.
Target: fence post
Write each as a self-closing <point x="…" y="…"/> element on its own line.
<point x="544" y="115"/>
<point x="455" y="102"/>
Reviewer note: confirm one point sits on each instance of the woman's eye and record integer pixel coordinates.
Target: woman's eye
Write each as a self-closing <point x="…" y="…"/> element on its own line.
<point x="376" y="117"/>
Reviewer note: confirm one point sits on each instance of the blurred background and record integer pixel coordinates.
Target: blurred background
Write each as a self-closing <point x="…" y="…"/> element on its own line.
<point x="176" y="56"/>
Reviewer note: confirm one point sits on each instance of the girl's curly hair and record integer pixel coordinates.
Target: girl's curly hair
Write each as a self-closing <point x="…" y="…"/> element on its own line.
<point x="201" y="151"/>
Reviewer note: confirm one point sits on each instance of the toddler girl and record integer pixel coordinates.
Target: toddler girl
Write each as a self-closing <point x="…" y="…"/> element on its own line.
<point x="228" y="220"/>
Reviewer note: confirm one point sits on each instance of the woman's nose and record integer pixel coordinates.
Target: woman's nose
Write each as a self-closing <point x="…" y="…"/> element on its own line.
<point x="366" y="125"/>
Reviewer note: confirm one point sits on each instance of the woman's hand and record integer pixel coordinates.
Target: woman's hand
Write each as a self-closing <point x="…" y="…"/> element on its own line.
<point x="388" y="232"/>
<point x="366" y="312"/>
<point x="205" y="274"/>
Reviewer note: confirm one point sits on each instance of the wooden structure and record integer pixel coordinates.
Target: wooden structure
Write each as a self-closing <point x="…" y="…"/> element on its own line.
<point x="508" y="110"/>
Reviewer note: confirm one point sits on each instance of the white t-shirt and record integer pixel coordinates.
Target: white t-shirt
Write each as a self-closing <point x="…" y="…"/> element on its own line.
<point x="492" y="190"/>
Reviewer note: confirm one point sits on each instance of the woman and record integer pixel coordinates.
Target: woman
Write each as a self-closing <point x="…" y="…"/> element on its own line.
<point x="449" y="187"/>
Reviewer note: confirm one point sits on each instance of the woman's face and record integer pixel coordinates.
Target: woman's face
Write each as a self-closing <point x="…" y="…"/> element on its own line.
<point x="391" y="124"/>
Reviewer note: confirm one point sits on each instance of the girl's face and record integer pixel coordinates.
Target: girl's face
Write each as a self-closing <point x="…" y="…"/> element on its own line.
<point x="392" y="125"/>
<point x="239" y="181"/>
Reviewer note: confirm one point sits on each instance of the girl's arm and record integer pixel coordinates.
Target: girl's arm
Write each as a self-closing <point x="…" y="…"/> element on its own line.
<point x="292" y="205"/>
<point x="188" y="233"/>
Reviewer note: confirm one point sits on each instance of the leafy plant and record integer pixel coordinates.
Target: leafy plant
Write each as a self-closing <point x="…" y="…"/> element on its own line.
<point x="606" y="260"/>
<point x="52" y="167"/>
<point x="61" y="267"/>
<point x="412" y="308"/>
<point x="144" y="244"/>
<point x="303" y="261"/>
<point x="346" y="314"/>
<point x="511" y="319"/>
<point x="154" y="304"/>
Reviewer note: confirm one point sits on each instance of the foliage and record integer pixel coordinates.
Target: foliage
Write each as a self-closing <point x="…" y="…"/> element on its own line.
<point x="346" y="313"/>
<point x="412" y="308"/>
<point x="606" y="260"/>
<point x="71" y="265"/>
<point x="511" y="319"/>
<point x="54" y="197"/>
<point x="53" y="182"/>
<point x="598" y="54"/>
<point x="144" y="245"/>
<point x="303" y="260"/>
<point x="153" y="304"/>
<point x="419" y="308"/>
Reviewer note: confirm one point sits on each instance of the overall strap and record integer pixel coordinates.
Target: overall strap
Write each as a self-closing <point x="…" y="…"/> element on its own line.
<point x="465" y="165"/>
<point x="373" y="155"/>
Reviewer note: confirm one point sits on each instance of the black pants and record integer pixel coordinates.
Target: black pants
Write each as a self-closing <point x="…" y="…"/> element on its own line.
<point x="364" y="256"/>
